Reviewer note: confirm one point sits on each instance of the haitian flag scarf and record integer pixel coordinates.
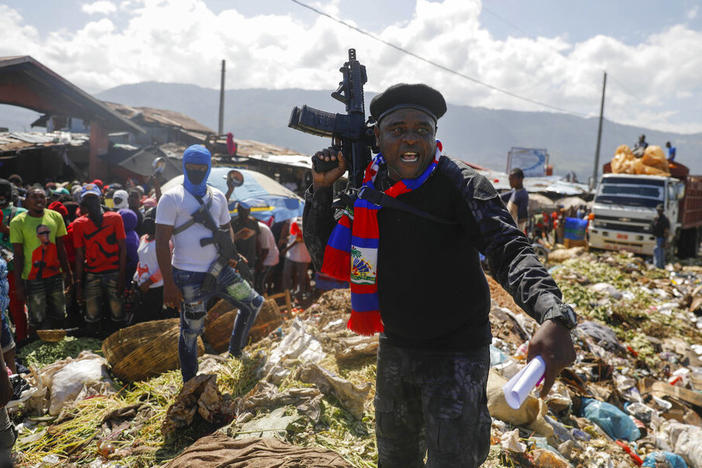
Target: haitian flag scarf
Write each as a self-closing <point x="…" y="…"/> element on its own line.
<point x="351" y="253"/>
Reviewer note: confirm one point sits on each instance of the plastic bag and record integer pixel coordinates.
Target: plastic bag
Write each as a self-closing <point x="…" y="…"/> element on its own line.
<point x="664" y="459"/>
<point x="611" y="419"/>
<point x="296" y="344"/>
<point x="682" y="439"/>
<point x="68" y="382"/>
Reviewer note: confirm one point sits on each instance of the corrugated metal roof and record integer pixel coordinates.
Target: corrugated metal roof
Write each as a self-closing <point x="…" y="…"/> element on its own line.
<point x="149" y="116"/>
<point x="11" y="142"/>
<point x="27" y="83"/>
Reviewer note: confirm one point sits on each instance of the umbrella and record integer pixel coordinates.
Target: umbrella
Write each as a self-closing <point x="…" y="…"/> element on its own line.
<point x="539" y="203"/>
<point x="269" y="201"/>
<point x="571" y="202"/>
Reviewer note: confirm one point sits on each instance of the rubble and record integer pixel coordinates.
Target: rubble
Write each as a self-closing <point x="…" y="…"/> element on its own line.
<point x="310" y="383"/>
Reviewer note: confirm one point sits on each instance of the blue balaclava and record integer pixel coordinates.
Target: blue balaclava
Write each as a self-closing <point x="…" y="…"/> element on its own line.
<point x="195" y="182"/>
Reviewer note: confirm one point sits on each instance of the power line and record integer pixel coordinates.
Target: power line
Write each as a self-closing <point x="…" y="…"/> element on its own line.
<point x="438" y="65"/>
<point x="512" y="25"/>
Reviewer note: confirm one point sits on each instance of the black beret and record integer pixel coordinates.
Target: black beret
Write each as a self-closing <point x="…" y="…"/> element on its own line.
<point x="402" y="95"/>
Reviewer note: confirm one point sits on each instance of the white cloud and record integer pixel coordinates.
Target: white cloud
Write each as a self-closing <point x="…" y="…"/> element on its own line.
<point x="692" y="13"/>
<point x="184" y="41"/>
<point x="101" y="7"/>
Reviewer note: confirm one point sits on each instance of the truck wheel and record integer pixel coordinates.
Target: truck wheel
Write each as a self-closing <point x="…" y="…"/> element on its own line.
<point x="688" y="243"/>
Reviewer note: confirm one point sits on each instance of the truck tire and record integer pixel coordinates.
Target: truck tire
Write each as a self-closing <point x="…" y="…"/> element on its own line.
<point x="688" y="243"/>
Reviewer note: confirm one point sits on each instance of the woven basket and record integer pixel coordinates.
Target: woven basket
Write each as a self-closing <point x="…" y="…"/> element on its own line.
<point x="51" y="336"/>
<point x="218" y="330"/>
<point x="125" y="340"/>
<point x="145" y="350"/>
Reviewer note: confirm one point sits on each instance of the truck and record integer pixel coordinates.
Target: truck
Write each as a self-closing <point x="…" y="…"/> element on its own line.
<point x="625" y="204"/>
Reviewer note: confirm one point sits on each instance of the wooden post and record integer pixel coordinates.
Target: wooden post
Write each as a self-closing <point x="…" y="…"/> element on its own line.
<point x="97" y="168"/>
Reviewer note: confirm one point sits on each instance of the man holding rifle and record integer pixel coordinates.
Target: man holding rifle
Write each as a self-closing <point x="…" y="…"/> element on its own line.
<point x="197" y="217"/>
<point x="412" y="260"/>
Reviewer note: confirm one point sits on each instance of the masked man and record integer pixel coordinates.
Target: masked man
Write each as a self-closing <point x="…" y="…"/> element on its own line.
<point x="416" y="278"/>
<point x="197" y="217"/>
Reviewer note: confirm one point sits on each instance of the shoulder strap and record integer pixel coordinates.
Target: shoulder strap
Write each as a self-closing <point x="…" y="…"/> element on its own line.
<point x="192" y="221"/>
<point x="379" y="198"/>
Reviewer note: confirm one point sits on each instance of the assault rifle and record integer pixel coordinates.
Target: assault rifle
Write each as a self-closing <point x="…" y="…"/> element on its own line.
<point x="350" y="132"/>
<point x="221" y="239"/>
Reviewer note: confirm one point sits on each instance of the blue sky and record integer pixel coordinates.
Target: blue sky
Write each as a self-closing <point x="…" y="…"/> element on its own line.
<point x="548" y="51"/>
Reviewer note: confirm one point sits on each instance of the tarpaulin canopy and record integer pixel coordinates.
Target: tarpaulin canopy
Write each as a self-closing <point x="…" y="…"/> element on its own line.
<point x="266" y="197"/>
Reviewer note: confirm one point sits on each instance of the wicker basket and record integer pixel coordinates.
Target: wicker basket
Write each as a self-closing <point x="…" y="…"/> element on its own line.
<point x="218" y="328"/>
<point x="145" y="350"/>
<point x="51" y="336"/>
<point x="125" y="340"/>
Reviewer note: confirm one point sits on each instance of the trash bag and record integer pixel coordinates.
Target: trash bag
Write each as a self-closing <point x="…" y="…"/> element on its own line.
<point x="530" y="414"/>
<point x="683" y="439"/>
<point x="297" y="344"/>
<point x="68" y="382"/>
<point x="664" y="459"/>
<point x="602" y="335"/>
<point x="612" y="420"/>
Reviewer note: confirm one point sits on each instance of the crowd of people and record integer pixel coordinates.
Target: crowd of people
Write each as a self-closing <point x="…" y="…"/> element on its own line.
<point x="83" y="256"/>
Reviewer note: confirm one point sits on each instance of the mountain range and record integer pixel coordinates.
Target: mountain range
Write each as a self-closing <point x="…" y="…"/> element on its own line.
<point x="479" y="135"/>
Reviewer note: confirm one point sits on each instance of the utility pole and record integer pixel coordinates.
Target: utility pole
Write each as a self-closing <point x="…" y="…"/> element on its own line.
<point x="599" y="133"/>
<point x="221" y="101"/>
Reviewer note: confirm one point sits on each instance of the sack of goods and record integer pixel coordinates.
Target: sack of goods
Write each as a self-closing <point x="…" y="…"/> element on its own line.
<point x="653" y="161"/>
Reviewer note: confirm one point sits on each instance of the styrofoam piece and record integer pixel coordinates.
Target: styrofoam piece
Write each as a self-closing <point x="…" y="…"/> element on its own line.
<point x="519" y="386"/>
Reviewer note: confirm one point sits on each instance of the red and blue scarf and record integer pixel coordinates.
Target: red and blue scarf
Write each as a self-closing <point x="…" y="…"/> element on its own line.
<point x="351" y="253"/>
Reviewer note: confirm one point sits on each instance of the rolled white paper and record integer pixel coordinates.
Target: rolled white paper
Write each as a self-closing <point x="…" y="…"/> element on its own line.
<point x="519" y="386"/>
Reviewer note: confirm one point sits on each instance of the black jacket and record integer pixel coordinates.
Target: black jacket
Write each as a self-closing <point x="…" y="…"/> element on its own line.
<point x="432" y="291"/>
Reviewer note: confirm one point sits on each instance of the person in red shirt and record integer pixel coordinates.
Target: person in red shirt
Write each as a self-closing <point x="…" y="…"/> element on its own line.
<point x="99" y="239"/>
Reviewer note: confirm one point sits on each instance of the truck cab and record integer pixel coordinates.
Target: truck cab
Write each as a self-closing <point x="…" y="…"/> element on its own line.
<point x="624" y="207"/>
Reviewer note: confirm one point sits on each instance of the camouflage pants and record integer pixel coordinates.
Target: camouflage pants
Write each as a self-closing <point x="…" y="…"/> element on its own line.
<point x="433" y="403"/>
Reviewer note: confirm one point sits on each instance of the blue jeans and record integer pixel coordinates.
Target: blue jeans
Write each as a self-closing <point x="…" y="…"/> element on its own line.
<point x="659" y="253"/>
<point x="230" y="287"/>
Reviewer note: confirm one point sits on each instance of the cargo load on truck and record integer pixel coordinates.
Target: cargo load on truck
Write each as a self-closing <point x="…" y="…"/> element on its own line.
<point x="628" y="193"/>
<point x="653" y="161"/>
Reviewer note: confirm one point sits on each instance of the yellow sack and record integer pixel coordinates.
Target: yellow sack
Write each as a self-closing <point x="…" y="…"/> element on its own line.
<point x="654" y="157"/>
<point x="622" y="163"/>
<point x="643" y="169"/>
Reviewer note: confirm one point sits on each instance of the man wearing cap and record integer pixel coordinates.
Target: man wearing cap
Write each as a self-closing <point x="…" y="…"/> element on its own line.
<point x="416" y="278"/>
<point x="189" y="276"/>
<point x="660" y="228"/>
<point x="101" y="252"/>
<point x="41" y="266"/>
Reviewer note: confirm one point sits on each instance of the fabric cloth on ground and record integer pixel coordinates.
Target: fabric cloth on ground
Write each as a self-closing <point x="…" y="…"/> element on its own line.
<point x="219" y="450"/>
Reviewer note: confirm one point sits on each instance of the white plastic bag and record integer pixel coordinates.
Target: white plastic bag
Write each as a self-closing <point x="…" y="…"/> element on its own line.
<point x="296" y="344"/>
<point x="68" y="382"/>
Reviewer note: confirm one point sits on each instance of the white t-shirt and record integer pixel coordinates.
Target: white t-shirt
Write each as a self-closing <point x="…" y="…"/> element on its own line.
<point x="148" y="264"/>
<point x="175" y="209"/>
<point x="268" y="242"/>
<point x="298" y="251"/>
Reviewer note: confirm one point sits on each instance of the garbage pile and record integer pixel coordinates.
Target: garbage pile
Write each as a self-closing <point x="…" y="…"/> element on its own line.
<point x="305" y="389"/>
